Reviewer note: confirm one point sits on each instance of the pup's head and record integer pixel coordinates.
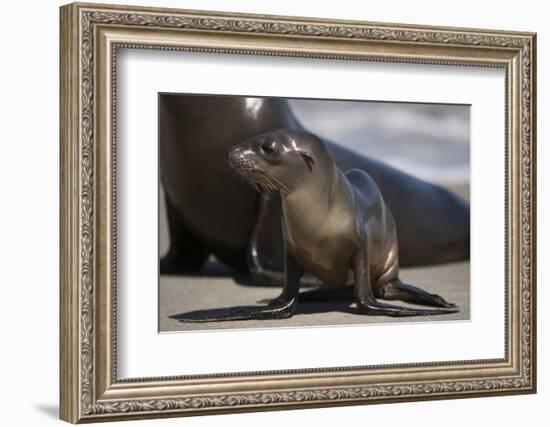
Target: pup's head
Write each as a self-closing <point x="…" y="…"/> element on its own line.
<point x="279" y="160"/>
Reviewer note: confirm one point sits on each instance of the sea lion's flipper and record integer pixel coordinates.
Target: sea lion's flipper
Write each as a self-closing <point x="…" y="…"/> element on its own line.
<point x="274" y="310"/>
<point x="372" y="307"/>
<point x="186" y="254"/>
<point x="367" y="303"/>
<point x="281" y="307"/>
<point x="265" y="254"/>
<point x="397" y="290"/>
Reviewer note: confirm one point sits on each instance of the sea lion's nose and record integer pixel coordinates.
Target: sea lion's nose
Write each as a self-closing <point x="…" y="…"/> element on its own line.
<point x="230" y="154"/>
<point x="234" y="156"/>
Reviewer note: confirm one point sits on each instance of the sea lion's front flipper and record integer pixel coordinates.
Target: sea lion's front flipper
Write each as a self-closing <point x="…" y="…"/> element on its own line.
<point x="367" y="303"/>
<point x="266" y="252"/>
<point x="274" y="310"/>
<point x="281" y="307"/>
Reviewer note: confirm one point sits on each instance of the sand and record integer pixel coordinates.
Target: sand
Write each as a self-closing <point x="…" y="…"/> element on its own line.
<point x="187" y="293"/>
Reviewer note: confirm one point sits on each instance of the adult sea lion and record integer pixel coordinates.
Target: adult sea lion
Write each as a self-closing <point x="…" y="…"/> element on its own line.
<point x="211" y="211"/>
<point x="335" y="225"/>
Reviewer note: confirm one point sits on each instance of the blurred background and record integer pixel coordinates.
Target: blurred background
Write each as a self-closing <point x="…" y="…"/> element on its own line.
<point x="429" y="141"/>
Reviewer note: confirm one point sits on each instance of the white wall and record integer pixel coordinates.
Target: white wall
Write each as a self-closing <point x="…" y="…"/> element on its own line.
<point x="29" y="215"/>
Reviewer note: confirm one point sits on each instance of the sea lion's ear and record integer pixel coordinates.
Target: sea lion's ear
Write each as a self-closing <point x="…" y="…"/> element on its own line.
<point x="308" y="158"/>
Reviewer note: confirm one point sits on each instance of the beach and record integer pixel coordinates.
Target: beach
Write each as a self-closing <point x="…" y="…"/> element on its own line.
<point x="187" y="293"/>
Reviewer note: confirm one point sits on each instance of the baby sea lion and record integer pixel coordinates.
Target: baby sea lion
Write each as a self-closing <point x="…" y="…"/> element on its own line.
<point x="336" y="226"/>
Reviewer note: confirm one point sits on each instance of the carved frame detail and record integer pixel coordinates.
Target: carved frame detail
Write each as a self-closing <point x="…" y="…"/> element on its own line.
<point x="84" y="397"/>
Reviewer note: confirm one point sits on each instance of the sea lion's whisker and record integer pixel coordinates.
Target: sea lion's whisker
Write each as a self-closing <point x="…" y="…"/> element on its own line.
<point x="253" y="176"/>
<point x="260" y="180"/>
<point x="280" y="184"/>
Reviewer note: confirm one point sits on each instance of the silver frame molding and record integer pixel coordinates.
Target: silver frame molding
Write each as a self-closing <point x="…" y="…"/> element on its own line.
<point x="90" y="36"/>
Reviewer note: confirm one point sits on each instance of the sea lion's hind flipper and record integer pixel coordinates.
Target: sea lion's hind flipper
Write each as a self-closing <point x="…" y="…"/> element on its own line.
<point x="186" y="254"/>
<point x="366" y="301"/>
<point x="397" y="290"/>
<point x="372" y="307"/>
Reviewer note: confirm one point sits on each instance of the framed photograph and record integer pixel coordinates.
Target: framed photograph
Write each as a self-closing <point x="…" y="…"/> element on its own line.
<point x="266" y="212"/>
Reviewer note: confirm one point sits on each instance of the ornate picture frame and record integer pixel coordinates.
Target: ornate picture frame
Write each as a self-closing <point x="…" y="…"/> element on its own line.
<point x="90" y="37"/>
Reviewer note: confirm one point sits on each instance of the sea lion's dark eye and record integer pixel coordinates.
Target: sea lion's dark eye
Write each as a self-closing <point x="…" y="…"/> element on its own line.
<point x="268" y="147"/>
